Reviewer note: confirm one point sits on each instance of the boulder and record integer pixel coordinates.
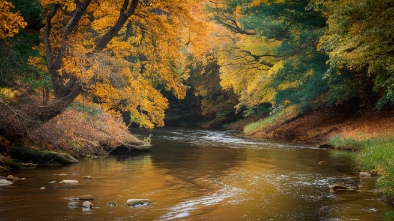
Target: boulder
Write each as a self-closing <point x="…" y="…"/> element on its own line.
<point x="137" y="202"/>
<point x="86" y="206"/>
<point x="87" y="177"/>
<point x="112" y="203"/>
<point x="41" y="157"/>
<point x="127" y="148"/>
<point x="4" y="182"/>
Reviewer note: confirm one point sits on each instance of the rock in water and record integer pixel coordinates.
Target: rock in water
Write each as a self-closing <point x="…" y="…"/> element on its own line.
<point x="337" y="187"/>
<point x="137" y="202"/>
<point x="112" y="203"/>
<point x="86" y="206"/>
<point x="69" y="181"/>
<point x="4" y="182"/>
<point x="86" y="197"/>
<point x="73" y="205"/>
<point x="41" y="157"/>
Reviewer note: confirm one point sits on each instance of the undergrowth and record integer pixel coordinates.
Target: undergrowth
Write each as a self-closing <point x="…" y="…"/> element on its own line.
<point x="276" y="118"/>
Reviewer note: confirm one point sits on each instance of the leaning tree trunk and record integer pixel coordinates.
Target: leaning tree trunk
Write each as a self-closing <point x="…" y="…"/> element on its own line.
<point x="17" y="119"/>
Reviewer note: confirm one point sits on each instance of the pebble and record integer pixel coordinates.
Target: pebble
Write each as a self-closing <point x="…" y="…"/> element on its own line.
<point x="74" y="205"/>
<point x="137" y="202"/>
<point x="69" y="181"/>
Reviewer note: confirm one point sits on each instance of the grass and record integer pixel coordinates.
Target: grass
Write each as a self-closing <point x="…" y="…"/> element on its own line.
<point x="274" y="119"/>
<point x="344" y="143"/>
<point x="374" y="155"/>
<point x="377" y="156"/>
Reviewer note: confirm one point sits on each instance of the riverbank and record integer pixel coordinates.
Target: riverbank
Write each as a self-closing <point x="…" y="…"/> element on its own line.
<point x="320" y="126"/>
<point x="368" y="132"/>
<point x="83" y="130"/>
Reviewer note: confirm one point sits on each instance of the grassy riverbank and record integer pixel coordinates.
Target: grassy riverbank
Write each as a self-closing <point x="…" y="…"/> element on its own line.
<point x="369" y="133"/>
<point x="375" y="156"/>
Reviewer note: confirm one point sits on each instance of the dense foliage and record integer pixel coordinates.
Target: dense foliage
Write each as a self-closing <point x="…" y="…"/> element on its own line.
<point x="308" y="53"/>
<point x="273" y="53"/>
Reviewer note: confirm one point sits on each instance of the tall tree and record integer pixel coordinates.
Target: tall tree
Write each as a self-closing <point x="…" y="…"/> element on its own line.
<point x="274" y="57"/>
<point x="360" y="43"/>
<point x="117" y="52"/>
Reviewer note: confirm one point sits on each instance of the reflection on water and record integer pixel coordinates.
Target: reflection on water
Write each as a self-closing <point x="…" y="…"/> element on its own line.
<point x="199" y="175"/>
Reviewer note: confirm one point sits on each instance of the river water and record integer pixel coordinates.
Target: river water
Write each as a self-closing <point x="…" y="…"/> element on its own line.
<point x="194" y="174"/>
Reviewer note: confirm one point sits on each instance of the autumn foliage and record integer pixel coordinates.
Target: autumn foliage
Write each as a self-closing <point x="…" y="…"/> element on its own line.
<point x="10" y="22"/>
<point x="123" y="55"/>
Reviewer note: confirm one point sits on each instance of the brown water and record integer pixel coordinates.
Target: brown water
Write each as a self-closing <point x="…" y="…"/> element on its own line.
<point x="199" y="175"/>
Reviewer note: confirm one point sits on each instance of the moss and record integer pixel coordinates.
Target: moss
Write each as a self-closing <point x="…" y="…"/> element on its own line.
<point x="41" y="157"/>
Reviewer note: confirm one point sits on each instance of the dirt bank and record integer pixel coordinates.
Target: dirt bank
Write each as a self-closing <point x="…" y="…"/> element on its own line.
<point x="318" y="126"/>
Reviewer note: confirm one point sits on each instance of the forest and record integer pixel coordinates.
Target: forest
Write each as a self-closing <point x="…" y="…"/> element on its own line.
<point x="76" y="75"/>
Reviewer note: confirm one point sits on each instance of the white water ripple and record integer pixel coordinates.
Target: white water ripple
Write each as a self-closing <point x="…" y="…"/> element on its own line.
<point x="184" y="209"/>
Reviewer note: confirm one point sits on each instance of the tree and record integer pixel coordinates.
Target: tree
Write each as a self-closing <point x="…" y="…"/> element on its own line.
<point x="117" y="52"/>
<point x="274" y="56"/>
<point x="359" y="42"/>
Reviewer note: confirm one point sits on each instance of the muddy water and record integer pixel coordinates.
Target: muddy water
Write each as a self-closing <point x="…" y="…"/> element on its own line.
<point x="200" y="175"/>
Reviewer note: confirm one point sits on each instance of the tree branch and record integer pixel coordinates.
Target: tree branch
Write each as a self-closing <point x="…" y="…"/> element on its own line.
<point x="72" y="23"/>
<point x="125" y="12"/>
<point x="47" y="33"/>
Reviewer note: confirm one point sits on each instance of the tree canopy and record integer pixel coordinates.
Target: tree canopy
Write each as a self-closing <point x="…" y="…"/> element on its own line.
<point x="123" y="54"/>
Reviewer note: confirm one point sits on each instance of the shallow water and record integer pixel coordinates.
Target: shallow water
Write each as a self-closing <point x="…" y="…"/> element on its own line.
<point x="200" y="175"/>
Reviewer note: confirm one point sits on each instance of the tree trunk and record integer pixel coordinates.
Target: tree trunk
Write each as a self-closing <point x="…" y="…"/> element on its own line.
<point x="16" y="120"/>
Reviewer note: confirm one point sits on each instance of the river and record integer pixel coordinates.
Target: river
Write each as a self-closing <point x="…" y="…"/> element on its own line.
<point x="194" y="174"/>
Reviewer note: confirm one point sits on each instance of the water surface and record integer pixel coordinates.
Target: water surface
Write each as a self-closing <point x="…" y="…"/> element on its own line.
<point x="200" y="175"/>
